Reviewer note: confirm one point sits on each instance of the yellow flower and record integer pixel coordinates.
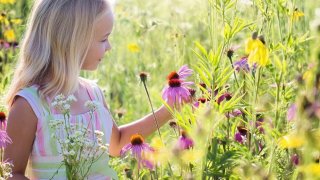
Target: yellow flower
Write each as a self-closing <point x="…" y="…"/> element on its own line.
<point x="3" y="18"/>
<point x="290" y="141"/>
<point x="297" y="14"/>
<point x="157" y="143"/>
<point x="7" y="1"/>
<point x="312" y="169"/>
<point x="133" y="47"/>
<point x="16" y="21"/>
<point x="258" y="52"/>
<point x="192" y="156"/>
<point x="9" y="35"/>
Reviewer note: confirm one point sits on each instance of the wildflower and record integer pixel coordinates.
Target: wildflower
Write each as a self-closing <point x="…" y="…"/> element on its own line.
<point x="4" y="44"/>
<point x="91" y="105"/>
<point x="184" y="142"/>
<point x="177" y="91"/>
<point x="16" y="21"/>
<point x="257" y="51"/>
<point x="231" y="51"/>
<point x="295" y="159"/>
<point x="291" y="112"/>
<point x="143" y="76"/>
<point x="226" y="96"/>
<point x="7" y="1"/>
<point x="202" y="100"/>
<point x="182" y="74"/>
<point x="133" y="47"/>
<point x="234" y="113"/>
<point x="203" y="85"/>
<point x="9" y="35"/>
<point x="241" y="135"/>
<point x="173" y="124"/>
<point x="98" y="133"/>
<point x="4" y="139"/>
<point x="290" y="141"/>
<point x="192" y="92"/>
<point x="138" y="148"/>
<point x="297" y="14"/>
<point x="3" y="120"/>
<point x="242" y="65"/>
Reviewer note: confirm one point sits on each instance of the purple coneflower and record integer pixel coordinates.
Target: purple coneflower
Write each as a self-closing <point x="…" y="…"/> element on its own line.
<point x="184" y="72"/>
<point x="4" y="139"/>
<point x="242" y="65"/>
<point x="3" y="123"/>
<point x="138" y="149"/>
<point x="226" y="96"/>
<point x="234" y="113"/>
<point x="241" y="135"/>
<point x="184" y="142"/>
<point x="177" y="91"/>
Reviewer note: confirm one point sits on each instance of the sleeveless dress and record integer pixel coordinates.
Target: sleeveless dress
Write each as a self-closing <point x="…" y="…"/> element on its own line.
<point x="45" y="160"/>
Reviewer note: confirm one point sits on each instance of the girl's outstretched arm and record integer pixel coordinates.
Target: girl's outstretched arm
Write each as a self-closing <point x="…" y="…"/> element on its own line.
<point x="145" y="126"/>
<point x="22" y="125"/>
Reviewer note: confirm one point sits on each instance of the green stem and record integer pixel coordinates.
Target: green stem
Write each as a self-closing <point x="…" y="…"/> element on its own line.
<point x="234" y="73"/>
<point x="154" y="117"/>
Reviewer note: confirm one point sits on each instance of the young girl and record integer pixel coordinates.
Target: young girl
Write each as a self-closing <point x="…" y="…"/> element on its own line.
<point x="62" y="38"/>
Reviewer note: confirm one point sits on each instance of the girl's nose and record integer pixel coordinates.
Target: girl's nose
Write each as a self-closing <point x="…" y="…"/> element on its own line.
<point x="108" y="46"/>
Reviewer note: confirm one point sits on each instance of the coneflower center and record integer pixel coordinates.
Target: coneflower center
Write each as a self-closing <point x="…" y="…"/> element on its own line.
<point x="174" y="83"/>
<point x="136" y="140"/>
<point x="173" y="75"/>
<point x="2" y="116"/>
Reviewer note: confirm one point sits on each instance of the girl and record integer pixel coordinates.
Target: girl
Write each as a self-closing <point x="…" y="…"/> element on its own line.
<point x="62" y="38"/>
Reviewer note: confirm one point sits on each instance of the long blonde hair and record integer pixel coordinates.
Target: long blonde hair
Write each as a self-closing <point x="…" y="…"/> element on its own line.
<point x="54" y="46"/>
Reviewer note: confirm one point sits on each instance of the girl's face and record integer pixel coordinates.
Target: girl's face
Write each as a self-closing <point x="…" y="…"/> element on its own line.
<point x="100" y="43"/>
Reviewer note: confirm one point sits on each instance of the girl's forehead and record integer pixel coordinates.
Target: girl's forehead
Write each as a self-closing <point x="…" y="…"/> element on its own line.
<point x="104" y="24"/>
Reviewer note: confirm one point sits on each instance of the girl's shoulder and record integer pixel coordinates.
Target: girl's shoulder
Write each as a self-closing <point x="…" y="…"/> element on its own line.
<point x="88" y="82"/>
<point x="93" y="88"/>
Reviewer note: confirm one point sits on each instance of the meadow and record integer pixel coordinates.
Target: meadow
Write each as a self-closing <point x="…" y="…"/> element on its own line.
<point x="255" y="110"/>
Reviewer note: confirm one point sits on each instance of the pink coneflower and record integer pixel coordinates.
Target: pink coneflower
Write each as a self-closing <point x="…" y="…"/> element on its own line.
<point x="138" y="148"/>
<point x="184" y="72"/>
<point x="177" y="91"/>
<point x="234" y="113"/>
<point x="241" y="135"/>
<point x="184" y="142"/>
<point x="3" y="123"/>
<point x="192" y="92"/>
<point x="226" y="96"/>
<point x="4" y="139"/>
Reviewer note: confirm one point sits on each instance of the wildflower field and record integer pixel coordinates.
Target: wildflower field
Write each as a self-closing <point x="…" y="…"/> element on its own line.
<point x="253" y="108"/>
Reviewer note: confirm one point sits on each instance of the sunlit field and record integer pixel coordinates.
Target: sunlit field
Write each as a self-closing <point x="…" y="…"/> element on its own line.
<point x="254" y="111"/>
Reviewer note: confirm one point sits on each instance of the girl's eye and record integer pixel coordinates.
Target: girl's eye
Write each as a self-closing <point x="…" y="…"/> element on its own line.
<point x="104" y="40"/>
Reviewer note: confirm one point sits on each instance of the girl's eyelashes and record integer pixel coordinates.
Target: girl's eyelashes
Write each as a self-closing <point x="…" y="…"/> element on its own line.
<point x="104" y="40"/>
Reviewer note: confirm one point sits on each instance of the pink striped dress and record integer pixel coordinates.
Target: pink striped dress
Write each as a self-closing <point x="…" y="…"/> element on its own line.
<point x="45" y="158"/>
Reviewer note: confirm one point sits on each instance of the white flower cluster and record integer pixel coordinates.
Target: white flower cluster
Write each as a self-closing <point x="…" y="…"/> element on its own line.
<point x="62" y="103"/>
<point x="80" y="144"/>
<point x="91" y="105"/>
<point x="5" y="170"/>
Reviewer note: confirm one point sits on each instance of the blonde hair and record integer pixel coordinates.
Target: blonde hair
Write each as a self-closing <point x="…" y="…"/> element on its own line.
<point x="55" y="44"/>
